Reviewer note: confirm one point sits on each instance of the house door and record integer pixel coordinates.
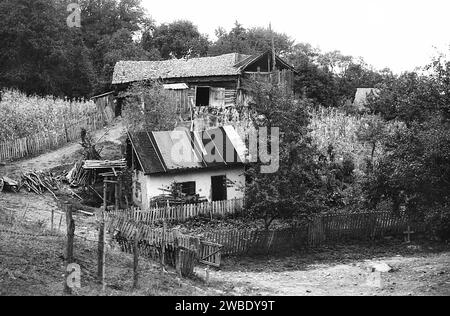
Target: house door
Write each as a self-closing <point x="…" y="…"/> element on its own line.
<point x="219" y="188"/>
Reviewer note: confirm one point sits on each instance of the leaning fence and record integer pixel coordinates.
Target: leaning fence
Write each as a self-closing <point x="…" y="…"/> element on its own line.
<point x="322" y="230"/>
<point x="43" y="142"/>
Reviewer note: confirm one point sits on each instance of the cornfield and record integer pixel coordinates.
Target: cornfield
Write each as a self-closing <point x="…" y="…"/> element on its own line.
<point x="341" y="130"/>
<point x="22" y="115"/>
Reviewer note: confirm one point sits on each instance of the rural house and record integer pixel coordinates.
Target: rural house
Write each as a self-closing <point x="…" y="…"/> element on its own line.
<point x="208" y="84"/>
<point x="209" y="164"/>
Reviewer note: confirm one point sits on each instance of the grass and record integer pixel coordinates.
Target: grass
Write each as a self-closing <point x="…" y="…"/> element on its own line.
<point x="34" y="266"/>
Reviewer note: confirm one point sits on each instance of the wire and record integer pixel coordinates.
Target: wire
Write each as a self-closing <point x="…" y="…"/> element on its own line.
<point x="29" y="235"/>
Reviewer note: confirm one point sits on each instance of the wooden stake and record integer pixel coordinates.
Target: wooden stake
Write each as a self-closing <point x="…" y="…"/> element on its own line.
<point x="136" y="260"/>
<point x="53" y="214"/>
<point x="101" y="241"/>
<point x="163" y="247"/>
<point x="69" y="244"/>
<point x="116" y="196"/>
<point x="176" y="235"/>
<point x="60" y="222"/>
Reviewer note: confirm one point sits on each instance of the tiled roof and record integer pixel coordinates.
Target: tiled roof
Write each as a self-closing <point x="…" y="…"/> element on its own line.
<point x="132" y="71"/>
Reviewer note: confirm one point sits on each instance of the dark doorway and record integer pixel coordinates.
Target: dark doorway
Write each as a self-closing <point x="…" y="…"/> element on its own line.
<point x="118" y="108"/>
<point x="219" y="188"/>
<point x="202" y="98"/>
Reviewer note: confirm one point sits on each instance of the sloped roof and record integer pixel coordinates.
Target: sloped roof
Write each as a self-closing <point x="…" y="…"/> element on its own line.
<point x="362" y="95"/>
<point x="132" y="71"/>
<point x="178" y="151"/>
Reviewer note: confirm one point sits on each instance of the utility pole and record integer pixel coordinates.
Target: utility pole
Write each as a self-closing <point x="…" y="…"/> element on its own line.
<point x="274" y="60"/>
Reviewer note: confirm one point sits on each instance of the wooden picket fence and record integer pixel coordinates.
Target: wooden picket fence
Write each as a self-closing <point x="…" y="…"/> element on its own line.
<point x="181" y="213"/>
<point x="43" y="142"/>
<point x="322" y="230"/>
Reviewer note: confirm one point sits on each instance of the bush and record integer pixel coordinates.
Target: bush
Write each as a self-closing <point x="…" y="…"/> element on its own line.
<point x="438" y="221"/>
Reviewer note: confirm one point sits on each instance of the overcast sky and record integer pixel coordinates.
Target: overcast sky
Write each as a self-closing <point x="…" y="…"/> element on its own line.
<point x="399" y="34"/>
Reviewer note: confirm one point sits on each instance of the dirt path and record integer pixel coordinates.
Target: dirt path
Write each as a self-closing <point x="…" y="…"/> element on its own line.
<point x="68" y="154"/>
<point x="416" y="275"/>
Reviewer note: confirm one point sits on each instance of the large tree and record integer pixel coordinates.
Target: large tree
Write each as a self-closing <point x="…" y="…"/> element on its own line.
<point x="180" y="39"/>
<point x="415" y="169"/>
<point x="37" y="48"/>
<point x="249" y="41"/>
<point x="41" y="54"/>
<point x="295" y="189"/>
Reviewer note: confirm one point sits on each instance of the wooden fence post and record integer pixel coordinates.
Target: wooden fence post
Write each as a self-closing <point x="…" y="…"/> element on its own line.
<point x="163" y="247"/>
<point x="101" y="251"/>
<point x="136" y="260"/>
<point x="69" y="244"/>
<point x="116" y="195"/>
<point x="101" y="241"/>
<point x="52" y="221"/>
<point x="176" y="235"/>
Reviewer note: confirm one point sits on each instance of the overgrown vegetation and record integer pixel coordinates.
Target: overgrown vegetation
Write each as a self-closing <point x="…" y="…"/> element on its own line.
<point x="147" y="108"/>
<point x="392" y="155"/>
<point x="22" y="115"/>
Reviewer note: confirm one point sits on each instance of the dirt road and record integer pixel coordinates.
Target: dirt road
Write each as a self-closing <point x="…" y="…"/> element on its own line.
<point x="69" y="154"/>
<point x="414" y="273"/>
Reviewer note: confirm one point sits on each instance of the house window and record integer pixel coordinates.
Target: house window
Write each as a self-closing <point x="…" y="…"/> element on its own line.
<point x="203" y="95"/>
<point x="188" y="188"/>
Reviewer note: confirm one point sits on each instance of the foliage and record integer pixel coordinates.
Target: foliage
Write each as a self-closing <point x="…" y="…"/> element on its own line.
<point x="415" y="168"/>
<point x="249" y="41"/>
<point x="330" y="78"/>
<point x="346" y="135"/>
<point x="119" y="46"/>
<point x="295" y="190"/>
<point x="179" y="39"/>
<point x="22" y="115"/>
<point x="147" y="108"/>
<point x="39" y="52"/>
<point x="414" y="172"/>
<point x="349" y="147"/>
<point x="41" y="55"/>
<point x="437" y="219"/>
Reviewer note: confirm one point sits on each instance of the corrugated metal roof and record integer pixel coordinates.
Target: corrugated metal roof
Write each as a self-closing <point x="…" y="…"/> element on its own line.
<point x="176" y="151"/>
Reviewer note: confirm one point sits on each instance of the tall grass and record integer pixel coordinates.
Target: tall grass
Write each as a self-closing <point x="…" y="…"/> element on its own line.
<point x="22" y="115"/>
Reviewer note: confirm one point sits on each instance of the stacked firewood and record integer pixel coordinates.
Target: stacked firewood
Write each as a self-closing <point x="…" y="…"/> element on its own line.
<point x="105" y="164"/>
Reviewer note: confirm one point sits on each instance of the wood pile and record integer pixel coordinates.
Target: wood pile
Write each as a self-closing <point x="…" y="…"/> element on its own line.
<point x="105" y="164"/>
<point x="39" y="182"/>
<point x="78" y="176"/>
